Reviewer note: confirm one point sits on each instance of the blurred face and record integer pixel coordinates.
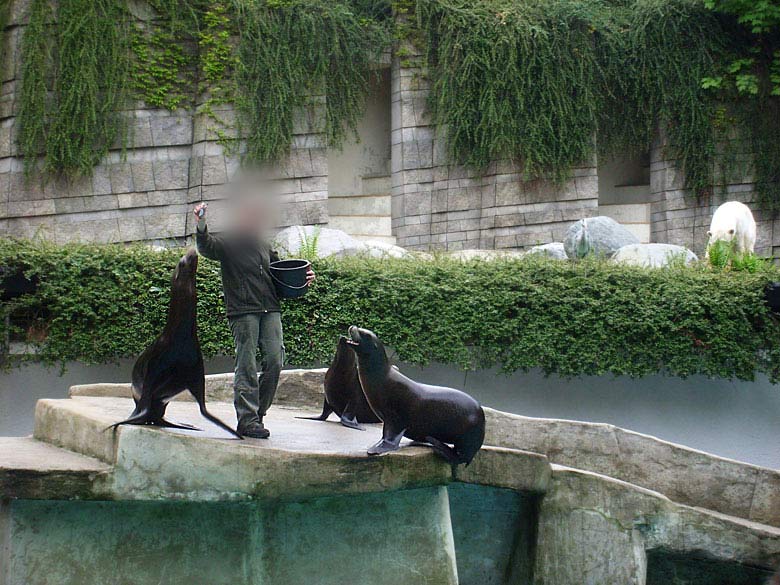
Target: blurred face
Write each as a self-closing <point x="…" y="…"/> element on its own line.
<point x="253" y="202"/>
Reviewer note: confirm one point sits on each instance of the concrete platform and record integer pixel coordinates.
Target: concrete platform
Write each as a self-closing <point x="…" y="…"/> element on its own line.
<point x="301" y="459"/>
<point x="308" y="505"/>
<point x="34" y="469"/>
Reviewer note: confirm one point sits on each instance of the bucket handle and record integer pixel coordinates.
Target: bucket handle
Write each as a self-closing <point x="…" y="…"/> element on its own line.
<point x="304" y="285"/>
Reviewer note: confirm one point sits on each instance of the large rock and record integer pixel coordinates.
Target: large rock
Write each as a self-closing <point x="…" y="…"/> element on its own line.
<point x="290" y="240"/>
<point x="596" y="236"/>
<point x="330" y="242"/>
<point x="375" y="249"/>
<point x="554" y="250"/>
<point x="653" y="255"/>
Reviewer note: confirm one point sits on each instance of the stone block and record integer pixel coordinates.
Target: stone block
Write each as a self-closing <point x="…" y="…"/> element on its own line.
<point x="508" y="193"/>
<point x="171" y="130"/>
<point x="214" y="170"/>
<point x="131" y="229"/>
<point x="169" y="225"/>
<point x="143" y="176"/>
<point x="463" y="198"/>
<point x="101" y="180"/>
<point x="132" y="200"/>
<point x="171" y="174"/>
<point x="121" y="178"/>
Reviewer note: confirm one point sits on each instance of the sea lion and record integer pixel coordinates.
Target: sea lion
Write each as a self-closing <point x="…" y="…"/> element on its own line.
<point x="431" y="414"/>
<point x="173" y="363"/>
<point x="343" y="393"/>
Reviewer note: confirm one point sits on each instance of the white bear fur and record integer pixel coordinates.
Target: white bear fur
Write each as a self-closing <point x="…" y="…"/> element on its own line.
<point x="733" y="221"/>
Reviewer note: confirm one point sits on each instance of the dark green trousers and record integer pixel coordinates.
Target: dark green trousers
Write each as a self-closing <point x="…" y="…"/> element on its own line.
<point x="254" y="392"/>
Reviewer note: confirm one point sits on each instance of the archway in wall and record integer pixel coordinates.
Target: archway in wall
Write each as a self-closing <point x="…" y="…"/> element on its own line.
<point x="624" y="192"/>
<point x="359" y="183"/>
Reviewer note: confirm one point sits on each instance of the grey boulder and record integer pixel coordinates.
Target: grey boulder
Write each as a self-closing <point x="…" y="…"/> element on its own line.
<point x="653" y="255"/>
<point x="554" y="250"/>
<point x="329" y="242"/>
<point x="596" y="236"/>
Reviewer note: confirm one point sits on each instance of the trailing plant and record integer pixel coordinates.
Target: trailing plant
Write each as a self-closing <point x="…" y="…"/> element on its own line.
<point x="101" y="303"/>
<point x="547" y="83"/>
<point x="74" y="83"/>
<point x="290" y="50"/>
<point x="5" y="14"/>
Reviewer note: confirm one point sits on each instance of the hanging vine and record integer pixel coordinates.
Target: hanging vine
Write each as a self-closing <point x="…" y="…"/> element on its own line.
<point x="537" y="81"/>
<point x="545" y="83"/>
<point x="84" y="61"/>
<point x="313" y="47"/>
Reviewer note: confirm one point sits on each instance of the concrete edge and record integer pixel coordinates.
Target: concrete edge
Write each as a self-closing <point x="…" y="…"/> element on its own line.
<point x="685" y="475"/>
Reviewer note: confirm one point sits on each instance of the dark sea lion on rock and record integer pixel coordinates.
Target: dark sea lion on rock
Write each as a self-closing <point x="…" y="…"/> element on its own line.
<point x="343" y="393"/>
<point x="431" y="414"/>
<point x="173" y="363"/>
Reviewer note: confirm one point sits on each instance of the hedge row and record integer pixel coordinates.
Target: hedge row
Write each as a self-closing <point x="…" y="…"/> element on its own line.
<point x="99" y="303"/>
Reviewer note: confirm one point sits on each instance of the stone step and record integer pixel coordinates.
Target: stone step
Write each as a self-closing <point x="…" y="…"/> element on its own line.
<point x="33" y="469"/>
<point x="297" y="387"/>
<point x="634" y="216"/>
<point x="376" y="205"/>
<point x="640" y="230"/>
<point x="362" y="225"/>
<point x="628" y="213"/>
<point x="380" y="184"/>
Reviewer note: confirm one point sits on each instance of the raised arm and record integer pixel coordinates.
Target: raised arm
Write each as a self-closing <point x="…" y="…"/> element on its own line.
<point x="208" y="246"/>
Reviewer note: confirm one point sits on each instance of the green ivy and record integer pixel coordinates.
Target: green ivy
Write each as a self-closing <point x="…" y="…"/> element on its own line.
<point x="75" y="81"/>
<point x="548" y="83"/>
<point x="101" y="303"/>
<point x="310" y="47"/>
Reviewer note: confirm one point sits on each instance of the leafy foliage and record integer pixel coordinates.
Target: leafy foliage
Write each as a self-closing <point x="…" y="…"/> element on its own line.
<point x="74" y="83"/>
<point x="287" y="50"/>
<point x="537" y="81"/>
<point x="589" y="317"/>
<point x="312" y="47"/>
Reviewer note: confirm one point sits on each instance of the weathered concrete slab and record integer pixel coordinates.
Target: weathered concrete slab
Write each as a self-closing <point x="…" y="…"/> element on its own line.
<point x="597" y="530"/>
<point x="521" y="471"/>
<point x="300" y="387"/>
<point x="381" y="539"/>
<point x="36" y="470"/>
<point x="301" y="459"/>
<point x="685" y="475"/>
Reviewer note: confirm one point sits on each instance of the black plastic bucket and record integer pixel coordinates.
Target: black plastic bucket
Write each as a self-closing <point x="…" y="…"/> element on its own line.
<point x="290" y="277"/>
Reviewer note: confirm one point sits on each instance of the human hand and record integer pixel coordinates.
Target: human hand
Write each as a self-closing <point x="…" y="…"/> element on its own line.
<point x="200" y="211"/>
<point x="310" y="276"/>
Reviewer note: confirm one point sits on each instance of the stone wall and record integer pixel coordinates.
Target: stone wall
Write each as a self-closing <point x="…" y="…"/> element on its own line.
<point x="175" y="159"/>
<point x="145" y="191"/>
<point x="440" y="205"/>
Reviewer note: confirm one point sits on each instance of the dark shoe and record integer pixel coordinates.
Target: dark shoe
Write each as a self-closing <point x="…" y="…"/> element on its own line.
<point x="255" y="431"/>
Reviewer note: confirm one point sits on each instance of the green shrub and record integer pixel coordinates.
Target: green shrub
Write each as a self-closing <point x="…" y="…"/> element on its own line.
<point x="723" y="255"/>
<point x="100" y="303"/>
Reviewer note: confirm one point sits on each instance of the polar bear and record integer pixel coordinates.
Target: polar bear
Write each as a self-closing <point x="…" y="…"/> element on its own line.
<point x="733" y="221"/>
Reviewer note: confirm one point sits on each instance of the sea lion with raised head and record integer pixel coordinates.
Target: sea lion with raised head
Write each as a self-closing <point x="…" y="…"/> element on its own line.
<point x="430" y="414"/>
<point x="343" y="393"/>
<point x="173" y="363"/>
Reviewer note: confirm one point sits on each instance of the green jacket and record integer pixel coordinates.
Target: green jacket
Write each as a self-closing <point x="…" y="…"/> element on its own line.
<point x="246" y="277"/>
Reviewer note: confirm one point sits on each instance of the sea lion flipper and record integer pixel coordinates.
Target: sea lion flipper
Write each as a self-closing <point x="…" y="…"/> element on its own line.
<point x="444" y="450"/>
<point x="206" y="414"/>
<point x="349" y="419"/>
<point x="326" y="411"/>
<point x="171" y="425"/>
<point x="391" y="441"/>
<point x="139" y="417"/>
